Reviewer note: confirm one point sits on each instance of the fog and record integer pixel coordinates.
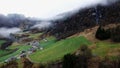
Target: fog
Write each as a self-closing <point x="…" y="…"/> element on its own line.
<point x="46" y="9"/>
<point x="11" y="20"/>
<point x="14" y="20"/>
<point x="42" y="25"/>
<point x="39" y="9"/>
<point x="72" y="8"/>
<point x="5" y="32"/>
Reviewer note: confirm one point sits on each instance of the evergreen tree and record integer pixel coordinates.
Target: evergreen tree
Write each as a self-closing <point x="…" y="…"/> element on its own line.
<point x="69" y="61"/>
<point x="102" y="34"/>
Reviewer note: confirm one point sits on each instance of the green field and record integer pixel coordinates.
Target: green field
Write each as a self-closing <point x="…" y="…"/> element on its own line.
<point x="20" y="48"/>
<point x="5" y="52"/>
<point x="57" y="50"/>
<point x="35" y="36"/>
<point x="1" y="42"/>
<point x="2" y="52"/>
<point x="47" y="44"/>
<point x="103" y="48"/>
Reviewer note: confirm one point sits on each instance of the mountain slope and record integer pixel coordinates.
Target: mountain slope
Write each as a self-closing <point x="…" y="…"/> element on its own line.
<point x="86" y="18"/>
<point x="57" y="50"/>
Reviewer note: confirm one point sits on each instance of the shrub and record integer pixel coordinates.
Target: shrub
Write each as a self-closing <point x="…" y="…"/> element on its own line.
<point x="82" y="59"/>
<point x="102" y="34"/>
<point x="69" y="61"/>
<point x="78" y="61"/>
<point x="85" y="51"/>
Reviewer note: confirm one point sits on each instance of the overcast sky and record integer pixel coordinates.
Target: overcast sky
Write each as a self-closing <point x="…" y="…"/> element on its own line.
<point x="44" y="8"/>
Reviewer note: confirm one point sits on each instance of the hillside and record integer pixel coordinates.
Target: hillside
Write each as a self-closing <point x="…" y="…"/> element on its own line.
<point x="86" y="37"/>
<point x="108" y="47"/>
<point x="58" y="49"/>
<point x="55" y="50"/>
<point x="71" y="42"/>
<point x="86" y="18"/>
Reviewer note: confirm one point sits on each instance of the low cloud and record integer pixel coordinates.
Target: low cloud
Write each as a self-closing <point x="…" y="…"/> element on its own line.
<point x="5" y="32"/>
<point x="72" y="7"/>
<point x="42" y="25"/>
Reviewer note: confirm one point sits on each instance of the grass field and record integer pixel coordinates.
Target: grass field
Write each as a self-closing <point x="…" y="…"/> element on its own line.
<point x="2" y="51"/>
<point x="55" y="50"/>
<point x="1" y="41"/>
<point x="35" y="36"/>
<point x="5" y="52"/>
<point x="47" y="44"/>
<point x="20" y="48"/>
<point x="104" y="48"/>
<point x="58" y="49"/>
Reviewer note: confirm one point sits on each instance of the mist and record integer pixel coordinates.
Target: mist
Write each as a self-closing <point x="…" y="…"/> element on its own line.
<point x="14" y="12"/>
<point x="80" y="5"/>
<point x="42" y="25"/>
<point x="14" y="20"/>
<point x="5" y="32"/>
<point x="47" y="9"/>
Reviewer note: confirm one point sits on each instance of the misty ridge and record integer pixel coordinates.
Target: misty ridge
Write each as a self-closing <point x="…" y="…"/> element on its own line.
<point x="4" y="32"/>
<point x="86" y="34"/>
<point x="11" y="23"/>
<point x="14" y="20"/>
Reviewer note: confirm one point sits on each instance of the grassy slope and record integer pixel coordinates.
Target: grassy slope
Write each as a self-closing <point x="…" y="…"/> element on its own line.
<point x="21" y="48"/>
<point x="47" y="44"/>
<point x="2" y="52"/>
<point x="5" y="54"/>
<point x="1" y="41"/>
<point x="35" y="36"/>
<point x="57" y="50"/>
<point x="104" y="48"/>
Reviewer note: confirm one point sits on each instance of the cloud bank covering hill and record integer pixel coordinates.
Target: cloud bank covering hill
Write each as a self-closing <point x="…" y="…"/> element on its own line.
<point x="45" y="9"/>
<point x="40" y="10"/>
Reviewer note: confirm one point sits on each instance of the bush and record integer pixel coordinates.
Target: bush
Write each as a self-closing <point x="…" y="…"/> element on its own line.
<point x="113" y="34"/>
<point x="85" y="51"/>
<point x="83" y="56"/>
<point x="102" y="34"/>
<point x="69" y="61"/>
<point x="78" y="61"/>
